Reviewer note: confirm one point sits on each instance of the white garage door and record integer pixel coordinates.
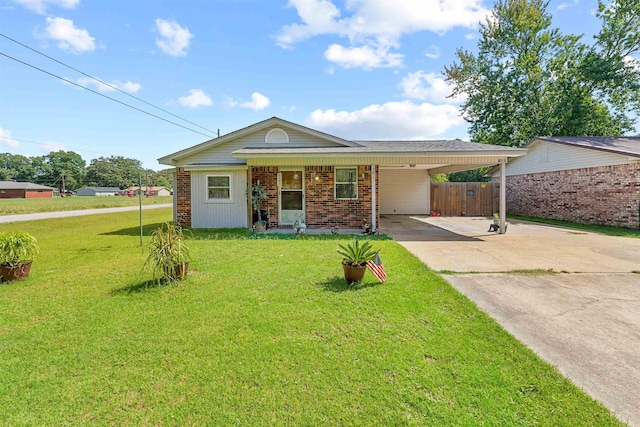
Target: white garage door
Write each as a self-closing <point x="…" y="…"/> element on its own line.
<point x="404" y="191"/>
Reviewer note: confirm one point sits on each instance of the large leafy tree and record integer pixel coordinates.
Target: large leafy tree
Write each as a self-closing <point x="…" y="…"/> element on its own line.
<point x="528" y="79"/>
<point x="53" y="167"/>
<point x="114" y="171"/>
<point x="15" y="167"/>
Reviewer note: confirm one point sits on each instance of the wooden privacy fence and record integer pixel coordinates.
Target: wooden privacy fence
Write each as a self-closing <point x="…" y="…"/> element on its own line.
<point x="465" y="198"/>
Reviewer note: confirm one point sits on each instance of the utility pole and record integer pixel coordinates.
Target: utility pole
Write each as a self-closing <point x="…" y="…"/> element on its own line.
<point x="64" y="190"/>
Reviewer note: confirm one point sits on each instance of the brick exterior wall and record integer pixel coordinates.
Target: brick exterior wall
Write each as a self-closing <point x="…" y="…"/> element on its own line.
<point x="606" y="195"/>
<point x="183" y="197"/>
<point x="322" y="210"/>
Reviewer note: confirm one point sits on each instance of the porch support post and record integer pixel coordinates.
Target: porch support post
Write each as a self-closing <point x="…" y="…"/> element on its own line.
<point x="249" y="206"/>
<point x="503" y="194"/>
<point x="374" y="215"/>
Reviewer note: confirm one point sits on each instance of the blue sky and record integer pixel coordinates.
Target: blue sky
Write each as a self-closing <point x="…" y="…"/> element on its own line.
<point x="358" y="69"/>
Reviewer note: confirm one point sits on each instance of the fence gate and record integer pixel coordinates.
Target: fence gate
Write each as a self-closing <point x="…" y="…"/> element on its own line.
<point x="465" y="198"/>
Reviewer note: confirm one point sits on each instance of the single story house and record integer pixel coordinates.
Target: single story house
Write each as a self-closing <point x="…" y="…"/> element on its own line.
<point x="24" y="190"/>
<point x="149" y="190"/>
<point x="321" y="179"/>
<point x="98" y="191"/>
<point x="590" y="180"/>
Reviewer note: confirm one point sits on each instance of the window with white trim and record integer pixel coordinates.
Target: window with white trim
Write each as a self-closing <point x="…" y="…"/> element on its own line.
<point x="219" y="188"/>
<point x="346" y="183"/>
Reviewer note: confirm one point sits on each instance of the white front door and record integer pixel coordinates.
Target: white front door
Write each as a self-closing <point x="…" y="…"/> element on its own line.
<point x="291" y="184"/>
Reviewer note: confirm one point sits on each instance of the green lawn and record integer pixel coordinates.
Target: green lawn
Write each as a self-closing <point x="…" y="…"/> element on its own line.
<point x="23" y="206"/>
<point x="604" y="229"/>
<point x="262" y="332"/>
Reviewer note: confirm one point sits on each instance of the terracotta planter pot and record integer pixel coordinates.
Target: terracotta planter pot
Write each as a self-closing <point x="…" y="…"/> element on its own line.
<point x="179" y="271"/>
<point x="260" y="227"/>
<point x="9" y="273"/>
<point x="353" y="274"/>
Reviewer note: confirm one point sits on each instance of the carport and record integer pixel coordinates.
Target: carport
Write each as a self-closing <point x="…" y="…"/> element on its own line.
<point x="405" y="170"/>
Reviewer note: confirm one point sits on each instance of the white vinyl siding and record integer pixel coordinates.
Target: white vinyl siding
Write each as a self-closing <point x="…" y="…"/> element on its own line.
<point x="404" y="192"/>
<point x="221" y="154"/>
<point x="208" y="214"/>
<point x="550" y="156"/>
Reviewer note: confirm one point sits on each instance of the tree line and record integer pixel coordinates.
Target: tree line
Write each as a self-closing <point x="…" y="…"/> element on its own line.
<point x="52" y="168"/>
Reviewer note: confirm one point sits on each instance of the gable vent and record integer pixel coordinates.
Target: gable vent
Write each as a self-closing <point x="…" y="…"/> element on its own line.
<point x="276" y="136"/>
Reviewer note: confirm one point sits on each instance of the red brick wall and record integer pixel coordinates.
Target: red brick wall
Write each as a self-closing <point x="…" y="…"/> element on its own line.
<point x="606" y="195"/>
<point x="183" y="197"/>
<point x="12" y="194"/>
<point x="322" y="210"/>
<point x="268" y="179"/>
<point x="35" y="194"/>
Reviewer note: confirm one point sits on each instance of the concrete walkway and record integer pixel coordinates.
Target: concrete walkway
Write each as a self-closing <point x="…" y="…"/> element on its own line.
<point x="586" y="322"/>
<point x="64" y="214"/>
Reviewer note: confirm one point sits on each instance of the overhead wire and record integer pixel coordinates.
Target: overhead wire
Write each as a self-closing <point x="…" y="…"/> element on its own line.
<point x="103" y="95"/>
<point x="104" y="83"/>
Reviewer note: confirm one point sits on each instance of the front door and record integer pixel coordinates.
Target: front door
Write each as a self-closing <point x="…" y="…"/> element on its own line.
<point x="291" y="184"/>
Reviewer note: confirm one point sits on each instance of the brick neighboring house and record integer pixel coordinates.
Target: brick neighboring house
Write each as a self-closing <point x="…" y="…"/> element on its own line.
<point x="325" y="180"/>
<point x="24" y="190"/>
<point x="590" y="180"/>
<point x="149" y="189"/>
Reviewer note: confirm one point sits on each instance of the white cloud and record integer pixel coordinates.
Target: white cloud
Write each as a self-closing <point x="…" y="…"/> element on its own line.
<point x="40" y="6"/>
<point x="6" y="140"/>
<point x="258" y="102"/>
<point x="374" y="26"/>
<point x="392" y="120"/>
<point x="127" y="86"/>
<point x="568" y="4"/>
<point x="366" y="57"/>
<point x="174" y="40"/>
<point x="196" y="98"/>
<point x="67" y="36"/>
<point x="471" y="36"/>
<point x="433" y="52"/>
<point x="49" y="146"/>
<point x="428" y="86"/>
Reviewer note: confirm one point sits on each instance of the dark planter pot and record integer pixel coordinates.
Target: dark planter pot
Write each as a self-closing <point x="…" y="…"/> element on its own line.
<point x="353" y="274"/>
<point x="179" y="271"/>
<point x="9" y="273"/>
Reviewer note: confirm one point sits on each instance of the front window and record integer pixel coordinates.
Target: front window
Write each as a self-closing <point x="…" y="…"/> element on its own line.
<point x="346" y="183"/>
<point x="219" y="187"/>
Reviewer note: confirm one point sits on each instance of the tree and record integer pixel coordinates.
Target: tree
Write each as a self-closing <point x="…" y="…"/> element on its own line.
<point x="15" y="167"/>
<point x="114" y="171"/>
<point x="51" y="168"/>
<point x="529" y="80"/>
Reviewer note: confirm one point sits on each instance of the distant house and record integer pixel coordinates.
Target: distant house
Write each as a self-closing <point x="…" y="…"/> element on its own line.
<point x="24" y="190"/>
<point x="590" y="180"/>
<point x="149" y="190"/>
<point x="98" y="191"/>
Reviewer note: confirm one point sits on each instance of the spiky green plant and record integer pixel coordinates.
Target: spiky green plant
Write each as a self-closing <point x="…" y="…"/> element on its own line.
<point x="167" y="249"/>
<point x="17" y="248"/>
<point x="356" y="254"/>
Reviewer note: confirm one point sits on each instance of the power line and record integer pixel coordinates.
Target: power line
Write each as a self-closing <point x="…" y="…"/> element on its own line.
<point x="104" y="83"/>
<point x="103" y="95"/>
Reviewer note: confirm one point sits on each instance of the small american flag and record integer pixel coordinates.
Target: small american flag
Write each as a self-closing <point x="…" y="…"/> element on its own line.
<point x="376" y="268"/>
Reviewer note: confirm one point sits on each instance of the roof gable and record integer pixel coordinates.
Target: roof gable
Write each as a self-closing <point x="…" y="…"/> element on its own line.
<point x="193" y="152"/>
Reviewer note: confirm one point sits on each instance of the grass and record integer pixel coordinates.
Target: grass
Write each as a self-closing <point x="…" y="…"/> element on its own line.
<point x="24" y="206"/>
<point x="604" y="229"/>
<point x="262" y="332"/>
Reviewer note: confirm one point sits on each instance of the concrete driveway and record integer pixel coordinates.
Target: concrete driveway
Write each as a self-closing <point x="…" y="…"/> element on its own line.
<point x="583" y="316"/>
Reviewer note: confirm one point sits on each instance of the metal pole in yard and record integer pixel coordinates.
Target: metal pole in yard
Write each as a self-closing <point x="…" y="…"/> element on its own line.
<point x="140" y="204"/>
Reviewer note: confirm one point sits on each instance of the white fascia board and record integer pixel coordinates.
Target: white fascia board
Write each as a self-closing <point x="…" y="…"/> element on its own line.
<point x="214" y="167"/>
<point x="430" y="154"/>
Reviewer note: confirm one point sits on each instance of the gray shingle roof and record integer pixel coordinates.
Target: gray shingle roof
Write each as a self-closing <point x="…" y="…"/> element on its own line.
<point x="101" y="189"/>
<point x="390" y="147"/>
<point x="628" y="145"/>
<point x="13" y="185"/>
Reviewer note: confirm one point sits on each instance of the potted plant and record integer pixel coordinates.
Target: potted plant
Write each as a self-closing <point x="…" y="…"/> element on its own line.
<point x="300" y="226"/>
<point x="258" y="194"/>
<point x="17" y="251"/>
<point x="168" y="253"/>
<point x="355" y="258"/>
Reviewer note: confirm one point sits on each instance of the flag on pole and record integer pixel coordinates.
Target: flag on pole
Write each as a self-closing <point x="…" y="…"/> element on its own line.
<point x="376" y="268"/>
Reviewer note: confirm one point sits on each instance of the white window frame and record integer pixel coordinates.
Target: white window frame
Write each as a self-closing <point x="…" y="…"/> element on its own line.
<point x="267" y="139"/>
<point x="218" y="200"/>
<point x="335" y="182"/>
